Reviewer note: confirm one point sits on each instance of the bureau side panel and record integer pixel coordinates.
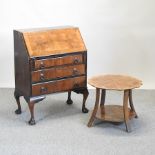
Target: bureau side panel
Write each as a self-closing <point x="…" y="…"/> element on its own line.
<point x="22" y="67"/>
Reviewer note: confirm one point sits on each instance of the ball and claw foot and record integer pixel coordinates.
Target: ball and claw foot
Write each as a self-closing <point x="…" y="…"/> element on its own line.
<point x="85" y="110"/>
<point x="136" y="116"/>
<point x="18" y="111"/>
<point x="69" y="102"/>
<point x="32" y="121"/>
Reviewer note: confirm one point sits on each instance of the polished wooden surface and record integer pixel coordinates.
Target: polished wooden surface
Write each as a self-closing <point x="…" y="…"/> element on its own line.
<point x="97" y="102"/>
<point x="125" y="110"/>
<point x="58" y="85"/>
<point x="115" y="82"/>
<point x="22" y="68"/>
<point x="58" y="61"/>
<point x="55" y="41"/>
<point x="48" y="61"/>
<point x="131" y="103"/>
<point x="113" y="113"/>
<point x="58" y="72"/>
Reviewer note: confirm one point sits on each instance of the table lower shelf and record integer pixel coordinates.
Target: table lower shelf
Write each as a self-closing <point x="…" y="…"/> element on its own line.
<point x="113" y="113"/>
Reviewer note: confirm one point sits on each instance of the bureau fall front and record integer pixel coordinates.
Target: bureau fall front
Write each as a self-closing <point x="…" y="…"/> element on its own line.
<point x="49" y="60"/>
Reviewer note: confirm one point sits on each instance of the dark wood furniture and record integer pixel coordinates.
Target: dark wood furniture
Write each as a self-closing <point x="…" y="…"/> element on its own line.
<point x="114" y="113"/>
<point x="48" y="61"/>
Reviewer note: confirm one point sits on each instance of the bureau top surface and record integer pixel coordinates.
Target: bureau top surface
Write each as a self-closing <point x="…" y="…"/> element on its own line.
<point x="51" y="41"/>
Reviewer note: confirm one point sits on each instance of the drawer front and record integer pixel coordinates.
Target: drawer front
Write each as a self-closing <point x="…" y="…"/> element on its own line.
<point x="59" y="72"/>
<point x="58" y="86"/>
<point x="64" y="60"/>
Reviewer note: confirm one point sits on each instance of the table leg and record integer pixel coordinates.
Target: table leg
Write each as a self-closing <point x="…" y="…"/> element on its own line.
<point x="103" y="97"/>
<point x="95" y="108"/>
<point x="126" y="111"/>
<point x="102" y="101"/>
<point x="131" y="103"/>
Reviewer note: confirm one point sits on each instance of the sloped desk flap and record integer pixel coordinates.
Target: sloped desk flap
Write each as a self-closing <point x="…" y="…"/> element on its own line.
<point x="53" y="41"/>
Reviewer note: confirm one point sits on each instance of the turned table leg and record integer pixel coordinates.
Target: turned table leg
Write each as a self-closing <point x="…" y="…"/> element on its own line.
<point x="131" y="103"/>
<point x="31" y="108"/>
<point x="126" y="111"/>
<point x="17" y="97"/>
<point x="69" y="100"/>
<point x="92" y="118"/>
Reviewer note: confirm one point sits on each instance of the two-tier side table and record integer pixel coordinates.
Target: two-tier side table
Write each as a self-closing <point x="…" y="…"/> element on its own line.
<point x="114" y="113"/>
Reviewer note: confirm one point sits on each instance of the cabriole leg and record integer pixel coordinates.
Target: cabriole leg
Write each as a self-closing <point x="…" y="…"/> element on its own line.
<point x="85" y="96"/>
<point x="17" y="96"/>
<point x="69" y="100"/>
<point x="31" y="108"/>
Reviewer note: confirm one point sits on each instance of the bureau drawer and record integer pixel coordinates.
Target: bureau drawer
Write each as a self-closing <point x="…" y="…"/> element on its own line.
<point x="58" y="72"/>
<point x="63" y="60"/>
<point x="59" y="85"/>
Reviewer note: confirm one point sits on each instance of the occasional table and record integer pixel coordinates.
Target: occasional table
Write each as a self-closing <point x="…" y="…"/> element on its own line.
<point x="114" y="113"/>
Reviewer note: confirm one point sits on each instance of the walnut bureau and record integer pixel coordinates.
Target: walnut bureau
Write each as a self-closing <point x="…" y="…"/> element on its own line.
<point x="49" y="60"/>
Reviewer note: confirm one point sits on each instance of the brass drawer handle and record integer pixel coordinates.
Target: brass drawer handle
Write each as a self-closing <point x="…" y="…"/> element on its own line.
<point x="43" y="90"/>
<point x="42" y="77"/>
<point x="42" y="64"/>
<point x="76" y="60"/>
<point x="75" y="71"/>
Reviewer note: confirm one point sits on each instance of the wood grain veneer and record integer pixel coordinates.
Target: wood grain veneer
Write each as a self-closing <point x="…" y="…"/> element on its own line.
<point x="114" y="113"/>
<point x="57" y="41"/>
<point x="49" y="60"/>
<point x="58" y="61"/>
<point x="58" y="72"/>
<point x="115" y="82"/>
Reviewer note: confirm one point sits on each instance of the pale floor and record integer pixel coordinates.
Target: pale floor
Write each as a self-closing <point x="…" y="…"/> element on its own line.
<point x="61" y="129"/>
